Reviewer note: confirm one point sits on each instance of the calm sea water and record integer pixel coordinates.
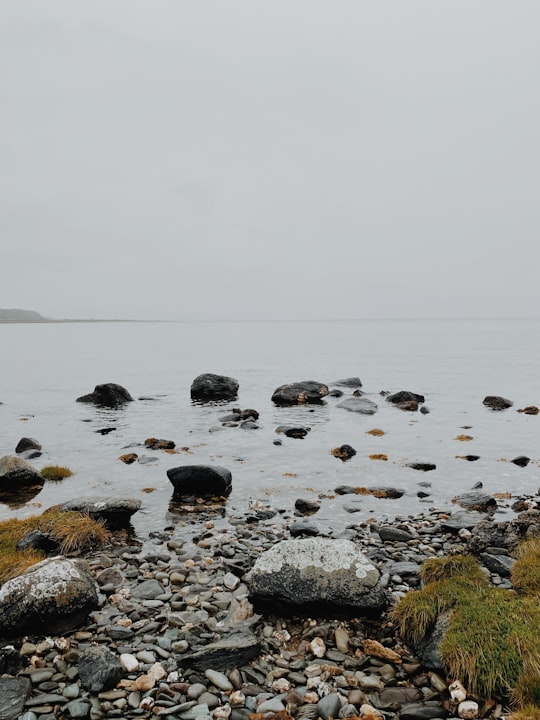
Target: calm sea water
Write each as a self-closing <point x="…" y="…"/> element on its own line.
<point x="454" y="363"/>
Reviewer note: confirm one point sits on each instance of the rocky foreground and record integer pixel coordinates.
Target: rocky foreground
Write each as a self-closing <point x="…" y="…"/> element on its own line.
<point x="179" y="633"/>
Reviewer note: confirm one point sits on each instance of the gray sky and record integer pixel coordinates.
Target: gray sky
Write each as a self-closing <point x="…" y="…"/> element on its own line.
<point x="259" y="159"/>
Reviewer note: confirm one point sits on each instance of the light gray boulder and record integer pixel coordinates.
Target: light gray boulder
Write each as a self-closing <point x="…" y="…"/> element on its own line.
<point x="53" y="596"/>
<point x="362" y="405"/>
<point x="317" y="571"/>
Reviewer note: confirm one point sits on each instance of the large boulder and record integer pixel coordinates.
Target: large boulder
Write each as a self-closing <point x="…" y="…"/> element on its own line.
<point x="107" y="395"/>
<point x="14" y="692"/>
<point x="361" y="405"/>
<point x="317" y="572"/>
<point x="189" y="480"/>
<point x="19" y="481"/>
<point x="115" y="513"/>
<point x="55" y="595"/>
<point x="300" y="393"/>
<point x="481" y="502"/>
<point x="496" y="402"/>
<point x="214" y="387"/>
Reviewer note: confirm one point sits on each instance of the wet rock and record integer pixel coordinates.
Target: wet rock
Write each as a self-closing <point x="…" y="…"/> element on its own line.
<point x="462" y="520"/>
<point x="17" y="473"/>
<point x="361" y="405"/>
<point x="329" y="706"/>
<point x="159" y="444"/>
<point x="13" y="695"/>
<point x="210" y="387"/>
<point x="25" y="444"/>
<point x="306" y="506"/>
<point x="407" y="405"/>
<point x="317" y="571"/>
<point x="292" y="432"/>
<point x="496" y="402"/>
<point x="470" y="458"/>
<point x="521" y="460"/>
<point x="114" y="512"/>
<point x="107" y="395"/>
<point x="530" y="410"/>
<point x="425" y="466"/>
<point x="11" y="661"/>
<point x="300" y="393"/>
<point x="56" y="593"/>
<point x="481" y="502"/>
<point x="405" y="396"/>
<point x="335" y="392"/>
<point x="344" y="452"/>
<point x="387" y="533"/>
<point x="105" y="431"/>
<point x="199" y="480"/>
<point x="99" y="669"/>
<point x="128" y="458"/>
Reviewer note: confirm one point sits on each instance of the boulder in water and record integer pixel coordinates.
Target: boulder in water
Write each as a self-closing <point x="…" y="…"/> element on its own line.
<point x="107" y="395"/>
<point x="198" y="480"/>
<point x="300" y="393"/>
<point x="496" y="402"/>
<point x="214" y="387"/>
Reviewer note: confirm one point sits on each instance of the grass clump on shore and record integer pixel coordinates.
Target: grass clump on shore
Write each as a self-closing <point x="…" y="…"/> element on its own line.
<point x="72" y="531"/>
<point x="56" y="472"/>
<point x="526" y="570"/>
<point x="528" y="712"/>
<point x="492" y="643"/>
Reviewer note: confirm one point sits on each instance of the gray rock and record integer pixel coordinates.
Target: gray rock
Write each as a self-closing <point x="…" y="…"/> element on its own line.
<point x="521" y="460"/>
<point x="300" y="393"/>
<point x="462" y="519"/>
<point x="77" y="709"/>
<point x="476" y="501"/>
<point x="388" y="533"/>
<point x="425" y="466"/>
<point x="107" y="395"/>
<point x="423" y="711"/>
<point x="232" y="651"/>
<point x="361" y="405"/>
<point x="56" y="593"/>
<point x="13" y="695"/>
<point x="303" y="527"/>
<point x="147" y="590"/>
<point x="329" y="706"/>
<point x="114" y="512"/>
<point x="99" y="669"/>
<point x="27" y="444"/>
<point x="200" y="480"/>
<point x="403" y="567"/>
<point x="352" y="382"/>
<point x="15" y="472"/>
<point x="313" y="571"/>
<point x="306" y="506"/>
<point x="219" y="679"/>
<point x="428" y="649"/>
<point x="209" y="387"/>
<point x="499" y="564"/>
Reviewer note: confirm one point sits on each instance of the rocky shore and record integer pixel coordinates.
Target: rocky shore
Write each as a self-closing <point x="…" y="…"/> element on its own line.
<point x="178" y="633"/>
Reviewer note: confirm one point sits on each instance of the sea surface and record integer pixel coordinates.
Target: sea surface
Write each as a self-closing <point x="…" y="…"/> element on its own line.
<point x="453" y="363"/>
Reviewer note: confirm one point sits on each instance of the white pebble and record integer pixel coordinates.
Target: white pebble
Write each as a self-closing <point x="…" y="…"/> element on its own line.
<point x="457" y="692"/>
<point x="468" y="710"/>
<point x="129" y="662"/>
<point x="317" y="647"/>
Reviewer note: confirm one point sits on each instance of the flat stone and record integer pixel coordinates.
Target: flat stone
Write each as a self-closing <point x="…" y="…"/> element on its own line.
<point x="13" y="695"/>
<point x="361" y="405"/>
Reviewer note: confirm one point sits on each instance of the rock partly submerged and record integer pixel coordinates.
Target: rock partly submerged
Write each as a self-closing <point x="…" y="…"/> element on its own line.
<point x="361" y="405"/>
<point x="208" y="387"/>
<point x="200" y="480"/>
<point x="107" y="395"/>
<point x="300" y="393"/>
<point x="115" y="513"/>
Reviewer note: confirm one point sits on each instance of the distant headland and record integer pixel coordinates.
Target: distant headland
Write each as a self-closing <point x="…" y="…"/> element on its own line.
<point x="16" y="315"/>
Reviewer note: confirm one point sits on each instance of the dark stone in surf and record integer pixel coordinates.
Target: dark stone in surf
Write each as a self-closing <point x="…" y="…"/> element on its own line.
<point x="107" y="395"/>
<point x="208" y="387"/>
<point x="496" y="402"/>
<point x="301" y="393"/>
<point x="27" y="444"/>
<point x="199" y="480"/>
<point x="405" y="396"/>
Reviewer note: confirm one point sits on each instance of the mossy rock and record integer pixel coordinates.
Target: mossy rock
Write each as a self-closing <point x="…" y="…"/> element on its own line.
<point x="492" y="640"/>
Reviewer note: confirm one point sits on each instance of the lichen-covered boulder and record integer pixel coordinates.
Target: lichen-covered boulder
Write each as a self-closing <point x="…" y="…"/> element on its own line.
<point x="53" y="596"/>
<point x="214" y="387"/>
<point x="300" y="393"/>
<point x="315" y="572"/>
<point x="107" y="395"/>
<point x="200" y="480"/>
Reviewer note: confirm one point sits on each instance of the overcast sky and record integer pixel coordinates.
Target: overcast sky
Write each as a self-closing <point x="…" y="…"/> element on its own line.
<point x="260" y="159"/>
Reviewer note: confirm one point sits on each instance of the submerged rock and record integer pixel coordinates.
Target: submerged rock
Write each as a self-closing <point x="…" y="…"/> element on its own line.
<point x="425" y="466"/>
<point x="300" y="393"/>
<point x="521" y="460"/>
<point x="107" y="395"/>
<point x="362" y="405"/>
<point x="200" y="480"/>
<point x="405" y="396"/>
<point x="56" y="594"/>
<point x="352" y="382"/>
<point x="344" y="452"/>
<point x="293" y="432"/>
<point x="317" y="571"/>
<point x="214" y="387"/>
